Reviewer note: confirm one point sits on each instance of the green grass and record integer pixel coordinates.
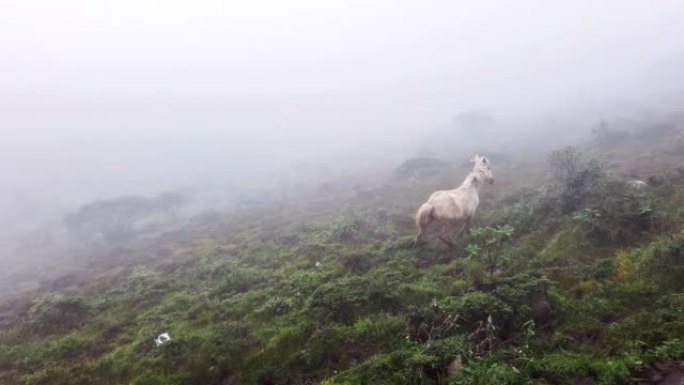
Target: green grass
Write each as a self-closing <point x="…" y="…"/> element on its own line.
<point x="295" y="295"/>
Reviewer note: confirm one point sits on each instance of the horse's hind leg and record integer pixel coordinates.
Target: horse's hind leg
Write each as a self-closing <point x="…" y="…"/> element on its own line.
<point x="423" y="219"/>
<point x="420" y="237"/>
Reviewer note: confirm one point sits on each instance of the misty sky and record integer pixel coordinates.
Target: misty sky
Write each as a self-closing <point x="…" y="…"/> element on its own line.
<point x="108" y="97"/>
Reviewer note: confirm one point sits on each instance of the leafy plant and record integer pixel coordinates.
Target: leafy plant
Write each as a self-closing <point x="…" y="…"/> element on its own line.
<point x="488" y="243"/>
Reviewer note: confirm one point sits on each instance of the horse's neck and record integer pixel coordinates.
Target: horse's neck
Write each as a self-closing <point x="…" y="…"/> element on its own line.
<point x="471" y="183"/>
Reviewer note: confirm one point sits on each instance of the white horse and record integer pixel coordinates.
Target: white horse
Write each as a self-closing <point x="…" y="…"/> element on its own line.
<point x="457" y="207"/>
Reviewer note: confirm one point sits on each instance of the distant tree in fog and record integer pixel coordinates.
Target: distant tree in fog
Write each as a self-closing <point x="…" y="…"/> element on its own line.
<point x="115" y="220"/>
<point x="109" y="220"/>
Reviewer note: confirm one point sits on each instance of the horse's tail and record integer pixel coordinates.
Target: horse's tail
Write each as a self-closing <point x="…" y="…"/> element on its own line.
<point x="423" y="218"/>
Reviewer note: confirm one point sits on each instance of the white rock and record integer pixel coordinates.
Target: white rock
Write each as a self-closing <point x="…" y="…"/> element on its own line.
<point x="455" y="367"/>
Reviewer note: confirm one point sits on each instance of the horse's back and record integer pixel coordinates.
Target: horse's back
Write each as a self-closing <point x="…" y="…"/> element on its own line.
<point x="453" y="204"/>
<point x="439" y="198"/>
<point x="445" y="207"/>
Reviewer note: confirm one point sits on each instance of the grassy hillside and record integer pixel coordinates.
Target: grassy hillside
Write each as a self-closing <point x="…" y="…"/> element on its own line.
<point x="571" y="276"/>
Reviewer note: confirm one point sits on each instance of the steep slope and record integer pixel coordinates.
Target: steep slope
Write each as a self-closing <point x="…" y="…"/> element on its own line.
<point x="326" y="288"/>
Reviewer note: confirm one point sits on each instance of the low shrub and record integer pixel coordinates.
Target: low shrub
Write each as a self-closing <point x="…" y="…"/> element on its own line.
<point x="55" y="312"/>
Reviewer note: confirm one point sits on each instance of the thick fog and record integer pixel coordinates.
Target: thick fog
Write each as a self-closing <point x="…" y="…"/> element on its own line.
<point x="100" y="99"/>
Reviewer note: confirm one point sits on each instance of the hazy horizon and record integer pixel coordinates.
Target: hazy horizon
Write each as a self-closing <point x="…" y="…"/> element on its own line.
<point x="135" y="97"/>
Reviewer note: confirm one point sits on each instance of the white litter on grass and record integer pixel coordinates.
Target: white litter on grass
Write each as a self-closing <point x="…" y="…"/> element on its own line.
<point x="638" y="183"/>
<point x="318" y="264"/>
<point x="163" y="338"/>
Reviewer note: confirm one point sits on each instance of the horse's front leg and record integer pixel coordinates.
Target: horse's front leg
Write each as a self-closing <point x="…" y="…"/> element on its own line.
<point x="465" y="229"/>
<point x="445" y="231"/>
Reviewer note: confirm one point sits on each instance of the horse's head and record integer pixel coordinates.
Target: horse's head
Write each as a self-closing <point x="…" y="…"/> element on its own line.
<point x="481" y="165"/>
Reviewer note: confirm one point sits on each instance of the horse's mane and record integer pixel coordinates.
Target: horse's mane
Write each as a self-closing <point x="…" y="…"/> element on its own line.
<point x="474" y="177"/>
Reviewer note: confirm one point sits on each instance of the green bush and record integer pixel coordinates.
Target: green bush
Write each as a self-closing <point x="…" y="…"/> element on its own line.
<point x="411" y="365"/>
<point x="241" y="279"/>
<point x="483" y="372"/>
<point x="351" y="228"/>
<point x="56" y="312"/>
<point x="576" y="179"/>
<point x="274" y="307"/>
<point x="571" y="366"/>
<point x="474" y="308"/>
<point x="662" y="262"/>
<point x="431" y="323"/>
<point x="360" y="262"/>
<point x="381" y="329"/>
<point x="348" y="298"/>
